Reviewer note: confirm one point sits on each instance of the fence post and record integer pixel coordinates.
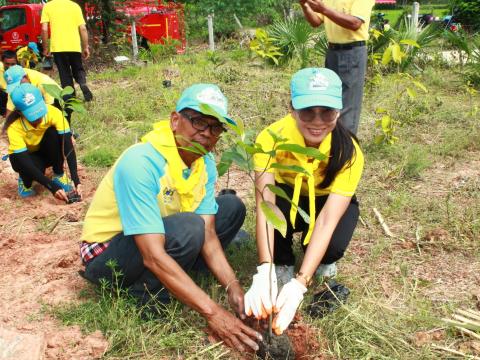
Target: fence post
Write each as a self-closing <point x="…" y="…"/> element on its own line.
<point x="416" y="11"/>
<point x="211" y="41"/>
<point x="134" y="40"/>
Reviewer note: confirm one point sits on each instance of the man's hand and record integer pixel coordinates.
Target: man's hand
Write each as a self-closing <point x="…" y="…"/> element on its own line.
<point x="316" y="5"/>
<point x="288" y="301"/>
<point x="235" y="299"/>
<point x="86" y="52"/>
<point x="232" y="331"/>
<point x="61" y="195"/>
<point x="260" y="298"/>
<point x="46" y="52"/>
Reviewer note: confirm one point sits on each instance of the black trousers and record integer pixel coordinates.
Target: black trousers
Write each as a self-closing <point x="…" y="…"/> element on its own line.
<point x="3" y="102"/>
<point x="184" y="234"/>
<point x="70" y="66"/>
<point x="49" y="154"/>
<point x="283" y="252"/>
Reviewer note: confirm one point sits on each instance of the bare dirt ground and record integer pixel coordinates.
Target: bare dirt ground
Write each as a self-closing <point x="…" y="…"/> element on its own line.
<point x="39" y="254"/>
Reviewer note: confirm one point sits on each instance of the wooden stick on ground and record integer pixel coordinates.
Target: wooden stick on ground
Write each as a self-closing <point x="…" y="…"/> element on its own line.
<point x="385" y="227"/>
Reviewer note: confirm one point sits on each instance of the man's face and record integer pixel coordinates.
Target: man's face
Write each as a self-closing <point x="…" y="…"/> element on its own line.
<point x="7" y="63"/>
<point x="192" y="126"/>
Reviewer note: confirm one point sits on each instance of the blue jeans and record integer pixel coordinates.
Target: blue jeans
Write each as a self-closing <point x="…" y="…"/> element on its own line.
<point x="184" y="238"/>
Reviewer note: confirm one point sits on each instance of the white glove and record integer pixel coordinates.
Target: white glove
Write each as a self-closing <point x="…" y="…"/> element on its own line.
<point x="258" y="300"/>
<point x="288" y="302"/>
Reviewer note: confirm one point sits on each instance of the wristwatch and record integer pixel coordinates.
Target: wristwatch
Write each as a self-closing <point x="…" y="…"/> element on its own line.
<point x="308" y="279"/>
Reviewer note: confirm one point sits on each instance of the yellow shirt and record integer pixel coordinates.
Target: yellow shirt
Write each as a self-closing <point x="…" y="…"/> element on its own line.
<point x="37" y="79"/>
<point x="64" y="17"/>
<point x="22" y="136"/>
<point x="345" y="182"/>
<point x="24" y="56"/>
<point x="146" y="184"/>
<point x="3" y="84"/>
<point x="361" y="9"/>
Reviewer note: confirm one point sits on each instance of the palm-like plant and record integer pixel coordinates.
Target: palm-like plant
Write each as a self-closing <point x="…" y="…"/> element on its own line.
<point x="295" y="38"/>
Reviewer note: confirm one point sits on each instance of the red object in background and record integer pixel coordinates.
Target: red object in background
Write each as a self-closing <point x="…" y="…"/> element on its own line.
<point x="155" y="21"/>
<point x="385" y="1"/>
<point x="19" y="25"/>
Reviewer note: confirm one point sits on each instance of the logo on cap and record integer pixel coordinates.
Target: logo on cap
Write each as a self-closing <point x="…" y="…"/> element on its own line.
<point x="28" y="99"/>
<point x="212" y="97"/>
<point x="318" y="82"/>
<point x="9" y="78"/>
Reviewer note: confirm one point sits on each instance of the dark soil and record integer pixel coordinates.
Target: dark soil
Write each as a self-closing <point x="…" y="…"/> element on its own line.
<point x="276" y="348"/>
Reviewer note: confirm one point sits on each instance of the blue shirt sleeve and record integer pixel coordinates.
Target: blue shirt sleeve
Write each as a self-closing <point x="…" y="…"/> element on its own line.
<point x="136" y="185"/>
<point x="209" y="205"/>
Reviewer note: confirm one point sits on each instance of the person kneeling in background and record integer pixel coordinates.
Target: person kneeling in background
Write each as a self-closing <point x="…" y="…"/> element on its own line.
<point x="39" y="136"/>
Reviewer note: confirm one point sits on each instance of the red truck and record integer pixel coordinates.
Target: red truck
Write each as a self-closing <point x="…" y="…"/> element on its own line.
<point x="154" y="20"/>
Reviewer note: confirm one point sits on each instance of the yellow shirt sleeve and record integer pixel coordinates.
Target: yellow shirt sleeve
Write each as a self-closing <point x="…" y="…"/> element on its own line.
<point x="56" y="118"/>
<point x="16" y="139"/>
<point x="347" y="180"/>
<point x="45" y="15"/>
<point x="362" y="9"/>
<point x="261" y="162"/>
<point x="79" y="17"/>
<point x="10" y="105"/>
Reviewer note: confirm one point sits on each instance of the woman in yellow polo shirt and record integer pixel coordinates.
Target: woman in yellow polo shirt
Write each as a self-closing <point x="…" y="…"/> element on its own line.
<point x="326" y="192"/>
<point x="39" y="137"/>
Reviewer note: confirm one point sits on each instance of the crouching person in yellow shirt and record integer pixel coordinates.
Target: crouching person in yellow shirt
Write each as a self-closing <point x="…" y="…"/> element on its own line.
<point x="39" y="137"/>
<point x="155" y="214"/>
<point x="327" y="193"/>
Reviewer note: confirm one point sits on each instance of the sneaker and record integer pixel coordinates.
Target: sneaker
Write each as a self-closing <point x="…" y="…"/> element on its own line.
<point x="87" y="94"/>
<point x="284" y="274"/>
<point x="326" y="270"/>
<point x="63" y="181"/>
<point x="23" y="191"/>
<point x="327" y="301"/>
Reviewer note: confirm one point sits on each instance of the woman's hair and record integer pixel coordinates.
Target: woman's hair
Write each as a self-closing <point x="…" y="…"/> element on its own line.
<point x="342" y="153"/>
<point x="14" y="115"/>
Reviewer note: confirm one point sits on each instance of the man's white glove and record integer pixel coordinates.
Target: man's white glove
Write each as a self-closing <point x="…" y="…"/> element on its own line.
<point x="259" y="301"/>
<point x="288" y="302"/>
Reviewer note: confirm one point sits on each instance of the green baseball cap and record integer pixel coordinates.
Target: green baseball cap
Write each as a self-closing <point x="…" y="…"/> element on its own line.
<point x="209" y="94"/>
<point x="316" y="87"/>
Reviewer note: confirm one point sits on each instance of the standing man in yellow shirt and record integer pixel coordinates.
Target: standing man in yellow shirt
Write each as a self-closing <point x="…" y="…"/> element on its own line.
<point x="68" y="42"/>
<point x="346" y="25"/>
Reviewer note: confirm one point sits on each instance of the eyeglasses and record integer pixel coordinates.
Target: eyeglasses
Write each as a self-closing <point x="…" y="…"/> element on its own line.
<point x="326" y="115"/>
<point x="201" y="124"/>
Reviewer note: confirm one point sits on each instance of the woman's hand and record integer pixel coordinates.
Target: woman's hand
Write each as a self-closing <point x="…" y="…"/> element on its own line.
<point x="61" y="195"/>
<point x="288" y="302"/>
<point x="260" y="298"/>
<point x="78" y="190"/>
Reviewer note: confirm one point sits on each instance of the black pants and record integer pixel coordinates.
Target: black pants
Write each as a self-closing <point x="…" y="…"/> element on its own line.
<point x="70" y="66"/>
<point x="185" y="235"/>
<point x="49" y="154"/>
<point x="283" y="252"/>
<point x="3" y="102"/>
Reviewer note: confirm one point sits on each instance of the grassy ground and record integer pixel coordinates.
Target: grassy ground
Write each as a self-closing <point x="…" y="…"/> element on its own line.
<point x="426" y="186"/>
<point x="393" y="15"/>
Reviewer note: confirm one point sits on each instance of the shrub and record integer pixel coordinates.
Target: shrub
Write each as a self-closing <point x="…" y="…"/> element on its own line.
<point x="467" y="13"/>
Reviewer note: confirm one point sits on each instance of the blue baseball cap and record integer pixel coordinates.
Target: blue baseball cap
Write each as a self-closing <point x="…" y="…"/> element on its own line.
<point x="209" y="94"/>
<point x="13" y="76"/>
<point x="29" y="101"/>
<point x="33" y="46"/>
<point x="316" y="87"/>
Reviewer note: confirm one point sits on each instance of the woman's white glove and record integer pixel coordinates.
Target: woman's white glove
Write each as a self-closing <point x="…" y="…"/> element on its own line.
<point x="259" y="301"/>
<point x="288" y="302"/>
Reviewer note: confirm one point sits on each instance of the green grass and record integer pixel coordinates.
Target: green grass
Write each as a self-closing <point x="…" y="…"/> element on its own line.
<point x="425" y="182"/>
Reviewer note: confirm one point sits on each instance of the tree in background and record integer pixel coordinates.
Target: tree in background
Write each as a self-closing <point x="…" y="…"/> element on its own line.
<point x="467" y="12"/>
